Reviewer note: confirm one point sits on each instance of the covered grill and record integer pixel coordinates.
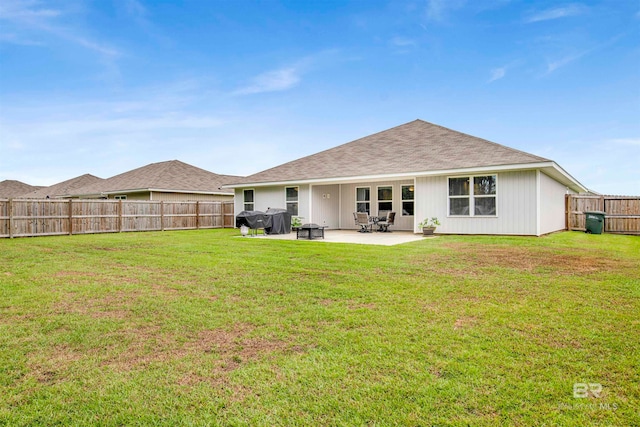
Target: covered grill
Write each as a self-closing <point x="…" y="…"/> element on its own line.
<point x="253" y="219"/>
<point x="274" y="221"/>
<point x="280" y="221"/>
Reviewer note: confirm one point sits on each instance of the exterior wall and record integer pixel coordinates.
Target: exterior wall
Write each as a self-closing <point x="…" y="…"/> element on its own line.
<point x="179" y="197"/>
<point x="174" y="197"/>
<point x="527" y="203"/>
<point x="348" y="203"/>
<point x="273" y="197"/>
<point x="516" y="206"/>
<point x="238" y="202"/>
<point x="133" y="196"/>
<point x="269" y="197"/>
<point x="325" y="205"/>
<point x="552" y="204"/>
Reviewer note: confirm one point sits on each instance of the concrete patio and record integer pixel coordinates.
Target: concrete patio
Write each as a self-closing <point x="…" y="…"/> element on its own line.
<point x="352" y="236"/>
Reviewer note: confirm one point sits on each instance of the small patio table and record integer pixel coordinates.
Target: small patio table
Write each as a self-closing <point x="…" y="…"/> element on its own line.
<point x="310" y="231"/>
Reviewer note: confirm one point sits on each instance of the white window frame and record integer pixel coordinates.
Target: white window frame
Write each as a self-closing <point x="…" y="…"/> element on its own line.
<point x="120" y="197"/>
<point x="409" y="200"/>
<point x="297" y="201"/>
<point x="471" y="196"/>
<point x="384" y="201"/>
<point x="363" y="201"/>
<point x="244" y="203"/>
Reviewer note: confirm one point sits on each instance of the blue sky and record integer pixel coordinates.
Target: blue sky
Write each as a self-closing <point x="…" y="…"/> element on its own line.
<point x="236" y="87"/>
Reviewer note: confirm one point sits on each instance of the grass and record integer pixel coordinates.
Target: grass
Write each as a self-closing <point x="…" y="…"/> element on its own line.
<point x="204" y="328"/>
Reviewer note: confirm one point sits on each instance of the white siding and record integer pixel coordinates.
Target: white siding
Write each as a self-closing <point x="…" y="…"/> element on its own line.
<point x="263" y="198"/>
<point x="348" y="203"/>
<point x="238" y="201"/>
<point x="273" y="197"/>
<point x="304" y="197"/>
<point x="552" y="204"/>
<point x="515" y="204"/>
<point x="178" y="197"/>
<point x="325" y="205"/>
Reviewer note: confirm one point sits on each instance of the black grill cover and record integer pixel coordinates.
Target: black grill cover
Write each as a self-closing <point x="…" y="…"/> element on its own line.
<point x="280" y="221"/>
<point x="253" y="219"/>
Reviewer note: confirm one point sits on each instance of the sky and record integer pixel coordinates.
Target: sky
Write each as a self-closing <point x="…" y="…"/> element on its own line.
<point x="236" y="87"/>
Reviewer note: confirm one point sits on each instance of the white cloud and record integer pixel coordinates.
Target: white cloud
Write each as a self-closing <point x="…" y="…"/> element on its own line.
<point x="554" y="65"/>
<point x="287" y="77"/>
<point x="556" y="13"/>
<point x="16" y="39"/>
<point x="497" y="74"/>
<point x="28" y="18"/>
<point x="402" y="42"/>
<point x="25" y="9"/>
<point x="566" y="60"/>
<point x="272" y="81"/>
<point x="437" y="9"/>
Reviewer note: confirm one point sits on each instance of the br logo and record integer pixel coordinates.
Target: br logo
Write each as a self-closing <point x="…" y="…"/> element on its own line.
<point x="582" y="390"/>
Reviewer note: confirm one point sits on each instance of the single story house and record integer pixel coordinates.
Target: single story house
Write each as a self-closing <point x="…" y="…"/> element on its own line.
<point x="168" y="181"/>
<point x="10" y="188"/>
<point x="60" y="189"/>
<point x="419" y="170"/>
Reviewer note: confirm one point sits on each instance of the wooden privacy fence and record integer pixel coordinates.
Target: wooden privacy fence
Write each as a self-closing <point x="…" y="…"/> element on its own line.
<point x="622" y="213"/>
<point x="22" y="217"/>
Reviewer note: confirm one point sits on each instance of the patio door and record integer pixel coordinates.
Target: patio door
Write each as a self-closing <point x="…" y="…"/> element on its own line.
<point x="326" y="205"/>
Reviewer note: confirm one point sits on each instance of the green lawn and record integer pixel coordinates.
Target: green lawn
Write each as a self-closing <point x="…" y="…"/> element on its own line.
<point x="205" y="328"/>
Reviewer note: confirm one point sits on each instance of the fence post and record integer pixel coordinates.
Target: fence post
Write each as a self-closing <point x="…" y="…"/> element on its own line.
<point x="11" y="218"/>
<point x="161" y="215"/>
<point x="120" y="216"/>
<point x="70" y="217"/>
<point x="197" y="214"/>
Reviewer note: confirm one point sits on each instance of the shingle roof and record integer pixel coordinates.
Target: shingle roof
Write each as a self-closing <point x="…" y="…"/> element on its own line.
<point x="417" y="146"/>
<point x="11" y="188"/>
<point x="172" y="175"/>
<point x="63" y="188"/>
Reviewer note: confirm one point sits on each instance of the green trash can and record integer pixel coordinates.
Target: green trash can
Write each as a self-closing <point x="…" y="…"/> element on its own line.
<point x="594" y="222"/>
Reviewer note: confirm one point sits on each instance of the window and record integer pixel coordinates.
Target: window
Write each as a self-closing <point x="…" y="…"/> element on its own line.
<point x="291" y="195"/>
<point x="478" y="199"/>
<point x="123" y="197"/>
<point x="484" y="195"/>
<point x="385" y="199"/>
<point x="408" y="192"/>
<point x="248" y="200"/>
<point x="363" y="198"/>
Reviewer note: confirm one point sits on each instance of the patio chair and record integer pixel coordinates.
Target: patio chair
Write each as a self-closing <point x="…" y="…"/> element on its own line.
<point x="355" y="218"/>
<point x="365" y="222"/>
<point x="382" y="215"/>
<point x="384" y="225"/>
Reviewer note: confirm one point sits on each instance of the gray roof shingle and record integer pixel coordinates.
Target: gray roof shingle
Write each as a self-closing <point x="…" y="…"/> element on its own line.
<point x="417" y="146"/>
<point x="62" y="188"/>
<point x="172" y="175"/>
<point x="11" y="188"/>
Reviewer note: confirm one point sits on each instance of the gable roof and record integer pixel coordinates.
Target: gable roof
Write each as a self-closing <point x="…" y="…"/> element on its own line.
<point x="170" y="176"/>
<point x="11" y="188"/>
<point x="414" y="147"/>
<point x="62" y="188"/>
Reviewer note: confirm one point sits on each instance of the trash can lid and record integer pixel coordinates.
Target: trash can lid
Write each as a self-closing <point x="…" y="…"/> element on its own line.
<point x="595" y="212"/>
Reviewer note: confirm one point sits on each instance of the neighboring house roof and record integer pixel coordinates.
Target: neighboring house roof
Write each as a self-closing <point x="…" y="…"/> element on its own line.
<point x="412" y="148"/>
<point x="11" y="188"/>
<point x="171" y="176"/>
<point x="63" y="188"/>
